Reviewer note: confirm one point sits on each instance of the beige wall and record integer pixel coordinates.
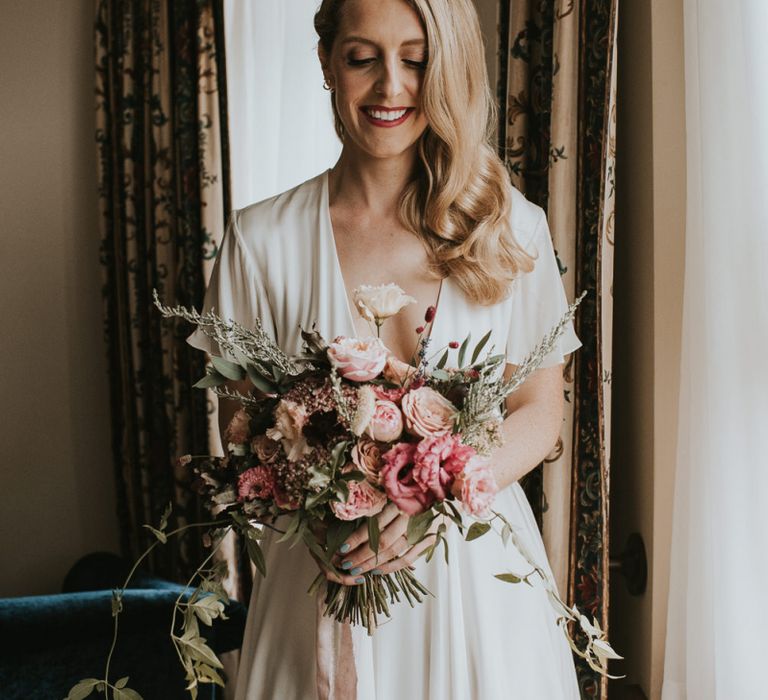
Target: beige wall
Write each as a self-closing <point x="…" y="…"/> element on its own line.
<point x="57" y="490"/>
<point x="650" y="234"/>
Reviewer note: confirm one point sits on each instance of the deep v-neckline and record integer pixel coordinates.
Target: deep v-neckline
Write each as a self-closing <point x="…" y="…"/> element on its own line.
<point x="338" y="274"/>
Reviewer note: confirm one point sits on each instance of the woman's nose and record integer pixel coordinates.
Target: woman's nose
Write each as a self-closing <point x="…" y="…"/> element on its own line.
<point x="390" y="82"/>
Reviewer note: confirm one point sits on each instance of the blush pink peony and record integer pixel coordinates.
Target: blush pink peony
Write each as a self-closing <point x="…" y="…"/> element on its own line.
<point x="386" y="425"/>
<point x="358" y="360"/>
<point x="427" y="413"/>
<point x="437" y="460"/>
<point x="366" y="456"/>
<point x="257" y="482"/>
<point x="397" y="477"/>
<point x="476" y="487"/>
<point x="363" y="500"/>
<point x="238" y="430"/>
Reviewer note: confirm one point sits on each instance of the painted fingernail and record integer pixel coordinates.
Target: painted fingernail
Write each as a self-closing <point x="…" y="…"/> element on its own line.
<point x="356" y="571"/>
<point x="360" y="580"/>
<point x="345" y="548"/>
<point x="376" y="572"/>
<point x="346" y="565"/>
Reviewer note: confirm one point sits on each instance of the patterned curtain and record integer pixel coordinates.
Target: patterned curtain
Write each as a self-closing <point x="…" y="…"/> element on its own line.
<point x="163" y="166"/>
<point x="557" y="135"/>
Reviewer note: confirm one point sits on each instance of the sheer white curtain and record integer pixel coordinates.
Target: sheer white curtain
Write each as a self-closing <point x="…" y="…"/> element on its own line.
<point x="718" y="624"/>
<point x="280" y="120"/>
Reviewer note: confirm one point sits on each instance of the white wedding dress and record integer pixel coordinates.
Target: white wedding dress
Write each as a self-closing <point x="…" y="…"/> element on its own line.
<point x="478" y="638"/>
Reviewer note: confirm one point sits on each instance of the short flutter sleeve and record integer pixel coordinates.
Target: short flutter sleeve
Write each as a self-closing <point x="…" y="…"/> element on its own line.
<point x="236" y="290"/>
<point x="538" y="302"/>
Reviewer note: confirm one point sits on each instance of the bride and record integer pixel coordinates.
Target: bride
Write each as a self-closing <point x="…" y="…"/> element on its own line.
<point x="419" y="198"/>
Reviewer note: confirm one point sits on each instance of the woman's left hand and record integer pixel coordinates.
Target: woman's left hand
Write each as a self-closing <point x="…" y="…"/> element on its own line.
<point x="394" y="551"/>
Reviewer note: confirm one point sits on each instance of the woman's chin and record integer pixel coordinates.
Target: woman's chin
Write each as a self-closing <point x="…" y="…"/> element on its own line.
<point x="386" y="151"/>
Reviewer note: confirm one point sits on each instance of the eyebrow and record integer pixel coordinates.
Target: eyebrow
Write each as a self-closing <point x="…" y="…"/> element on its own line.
<point x="363" y="40"/>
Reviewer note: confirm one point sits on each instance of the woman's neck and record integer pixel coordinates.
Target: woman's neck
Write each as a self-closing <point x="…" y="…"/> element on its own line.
<point x="370" y="184"/>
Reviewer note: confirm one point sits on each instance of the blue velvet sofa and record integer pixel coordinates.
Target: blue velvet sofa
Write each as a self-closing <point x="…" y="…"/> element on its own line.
<point x="48" y="643"/>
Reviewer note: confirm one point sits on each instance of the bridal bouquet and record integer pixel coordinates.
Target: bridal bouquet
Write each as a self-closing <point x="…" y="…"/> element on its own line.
<point x="327" y="438"/>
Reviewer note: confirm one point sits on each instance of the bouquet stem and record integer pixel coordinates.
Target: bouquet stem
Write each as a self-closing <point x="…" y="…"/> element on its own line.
<point x="364" y="604"/>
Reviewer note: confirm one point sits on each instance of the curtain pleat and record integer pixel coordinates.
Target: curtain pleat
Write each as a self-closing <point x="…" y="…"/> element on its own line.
<point x="557" y="136"/>
<point x="163" y="193"/>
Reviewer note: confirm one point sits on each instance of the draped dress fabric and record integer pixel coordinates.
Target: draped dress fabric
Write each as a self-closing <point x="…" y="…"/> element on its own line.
<point x="478" y="638"/>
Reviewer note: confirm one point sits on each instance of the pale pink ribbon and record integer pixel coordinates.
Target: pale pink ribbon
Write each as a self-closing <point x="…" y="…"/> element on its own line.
<point x="336" y="673"/>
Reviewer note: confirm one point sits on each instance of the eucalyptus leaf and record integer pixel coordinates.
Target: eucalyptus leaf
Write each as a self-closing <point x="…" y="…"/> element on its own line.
<point x="443" y="360"/>
<point x="314" y="499"/>
<point x="122" y="682"/>
<point x="455" y="515"/>
<point x="508" y="578"/>
<point x="431" y="551"/>
<point x="477" y="530"/>
<point x="314" y="545"/>
<point x="293" y="525"/>
<point x="506" y="531"/>
<point x="211" y="379"/>
<point x="445" y="549"/>
<point x="441" y="375"/>
<point x="319" y="478"/>
<point x="418" y="526"/>
<point x="228" y="369"/>
<point x="463" y="350"/>
<point x="479" y="347"/>
<point x="254" y="533"/>
<point x="256" y="555"/>
<point x="261" y="382"/>
<point x="373" y="534"/>
<point x="342" y="490"/>
<point x="82" y="689"/>
<point x="339" y="454"/>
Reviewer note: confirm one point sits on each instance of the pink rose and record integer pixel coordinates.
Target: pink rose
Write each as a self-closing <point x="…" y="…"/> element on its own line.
<point x="257" y="482"/>
<point x="476" y="487"/>
<point x="363" y="500"/>
<point x="290" y="418"/>
<point x="397" y="476"/>
<point x="366" y="456"/>
<point x="238" y="430"/>
<point x="387" y="422"/>
<point x="398" y="372"/>
<point x="427" y="413"/>
<point x="358" y="360"/>
<point x="437" y="461"/>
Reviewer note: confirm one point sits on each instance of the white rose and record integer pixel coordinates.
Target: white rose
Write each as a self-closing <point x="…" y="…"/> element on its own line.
<point x="376" y="303"/>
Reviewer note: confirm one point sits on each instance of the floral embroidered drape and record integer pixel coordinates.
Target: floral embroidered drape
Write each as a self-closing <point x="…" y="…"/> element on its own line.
<point x="163" y="169"/>
<point x="557" y="134"/>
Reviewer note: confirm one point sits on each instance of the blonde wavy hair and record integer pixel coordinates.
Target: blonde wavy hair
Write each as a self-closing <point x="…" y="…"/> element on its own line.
<point x="460" y="200"/>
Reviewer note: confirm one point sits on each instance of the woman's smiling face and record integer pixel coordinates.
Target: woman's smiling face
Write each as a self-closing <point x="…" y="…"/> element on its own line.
<point x="376" y="69"/>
